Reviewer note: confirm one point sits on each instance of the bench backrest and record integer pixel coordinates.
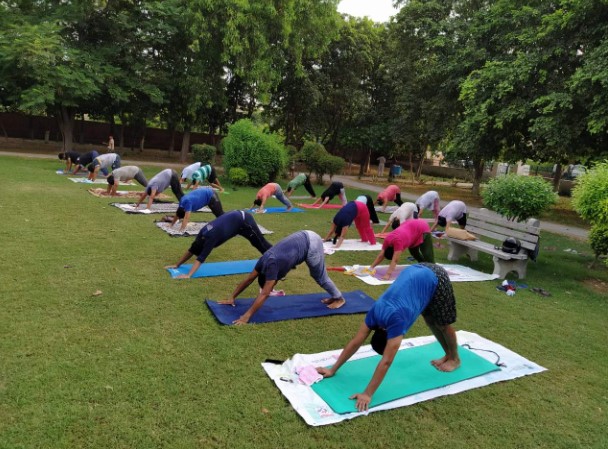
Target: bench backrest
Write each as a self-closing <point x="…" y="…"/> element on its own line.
<point x="496" y="227"/>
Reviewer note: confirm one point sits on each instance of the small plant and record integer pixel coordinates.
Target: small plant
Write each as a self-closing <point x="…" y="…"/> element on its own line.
<point x="204" y="153"/>
<point x="518" y="197"/>
<point x="590" y="200"/>
<point x="238" y="176"/>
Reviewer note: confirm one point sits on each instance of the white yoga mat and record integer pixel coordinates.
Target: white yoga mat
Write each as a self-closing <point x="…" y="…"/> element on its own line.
<point x="99" y="181"/>
<point x="316" y="412"/>
<point x="351" y="245"/>
<point x="388" y="210"/>
<point x="457" y="273"/>
<point x="155" y="208"/>
<point x="192" y="229"/>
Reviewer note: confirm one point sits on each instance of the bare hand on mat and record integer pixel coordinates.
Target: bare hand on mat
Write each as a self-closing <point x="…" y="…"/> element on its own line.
<point x="325" y="372"/>
<point x="363" y="401"/>
<point x="228" y="302"/>
<point x="242" y="320"/>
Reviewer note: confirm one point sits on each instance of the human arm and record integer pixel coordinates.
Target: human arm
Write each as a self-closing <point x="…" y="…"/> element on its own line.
<point x="390" y="221"/>
<point x="151" y="197"/>
<point x="185" y="221"/>
<point x="325" y="201"/>
<point x="348" y="351"/>
<point x="187" y="255"/>
<point x="217" y="185"/>
<point x="341" y="237"/>
<point x="390" y="351"/>
<point x="195" y="266"/>
<point x="259" y="300"/>
<point x="140" y="199"/>
<point x="378" y="259"/>
<point x="242" y="286"/>
<point x="392" y="265"/>
<point x="332" y="229"/>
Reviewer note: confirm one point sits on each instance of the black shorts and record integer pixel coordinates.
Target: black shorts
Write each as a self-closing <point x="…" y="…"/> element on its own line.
<point x="462" y="221"/>
<point x="442" y="307"/>
<point x="212" y="176"/>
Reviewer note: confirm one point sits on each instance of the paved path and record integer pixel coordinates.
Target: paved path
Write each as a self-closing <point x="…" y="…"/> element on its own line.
<point x="568" y="231"/>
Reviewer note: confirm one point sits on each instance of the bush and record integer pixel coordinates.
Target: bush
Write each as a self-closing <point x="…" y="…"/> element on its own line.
<point x="204" y="153"/>
<point x="333" y="164"/>
<point x="264" y="154"/>
<point x="590" y="194"/>
<point x="598" y="238"/>
<point x="518" y="197"/>
<point x="590" y="200"/>
<point x="238" y="176"/>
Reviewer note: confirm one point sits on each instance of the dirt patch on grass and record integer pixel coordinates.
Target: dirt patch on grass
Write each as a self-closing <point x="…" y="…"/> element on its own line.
<point x="597" y="285"/>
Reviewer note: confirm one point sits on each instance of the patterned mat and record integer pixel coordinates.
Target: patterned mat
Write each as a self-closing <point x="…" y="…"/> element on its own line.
<point x="192" y="229"/>
<point x="156" y="208"/>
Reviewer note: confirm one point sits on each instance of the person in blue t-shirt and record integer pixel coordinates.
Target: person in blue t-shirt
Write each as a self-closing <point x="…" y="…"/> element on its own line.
<point x="301" y="246"/>
<point x="193" y="201"/>
<point x="219" y="231"/>
<point x="423" y="289"/>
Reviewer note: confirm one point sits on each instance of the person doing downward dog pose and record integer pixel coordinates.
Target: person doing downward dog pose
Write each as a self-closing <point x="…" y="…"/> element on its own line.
<point x="414" y="234"/>
<point x="193" y="201"/>
<point x="125" y="174"/>
<point x="353" y="211"/>
<point x="218" y="232"/>
<point x="453" y="211"/>
<point x="335" y="188"/>
<point x="188" y="171"/>
<point x="103" y="161"/>
<point x="403" y="213"/>
<point x="423" y="289"/>
<point x="159" y="184"/>
<point x="430" y="201"/>
<point x="391" y="193"/>
<point x="272" y="188"/>
<point x="301" y="180"/>
<point x="71" y="158"/>
<point x="85" y="159"/>
<point x="369" y="202"/>
<point x="206" y="172"/>
<point x="302" y="246"/>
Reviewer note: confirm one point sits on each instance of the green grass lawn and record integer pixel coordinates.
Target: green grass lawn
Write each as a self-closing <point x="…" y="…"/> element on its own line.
<point x="145" y="365"/>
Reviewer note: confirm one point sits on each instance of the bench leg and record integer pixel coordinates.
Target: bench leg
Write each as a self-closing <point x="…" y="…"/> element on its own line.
<point x="503" y="267"/>
<point x="457" y="251"/>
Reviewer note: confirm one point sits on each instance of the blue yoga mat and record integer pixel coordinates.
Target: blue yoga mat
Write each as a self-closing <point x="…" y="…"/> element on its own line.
<point x="410" y="373"/>
<point x="216" y="268"/>
<point x="291" y="307"/>
<point x="278" y="210"/>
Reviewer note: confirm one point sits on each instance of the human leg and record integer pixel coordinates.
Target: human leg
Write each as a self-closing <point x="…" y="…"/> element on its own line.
<point x="251" y="231"/>
<point x="315" y="260"/>
<point x="342" y="196"/>
<point x="398" y="200"/>
<point x="176" y="186"/>
<point x="308" y="187"/>
<point x="141" y="178"/>
<point x="424" y="252"/>
<point x="216" y="205"/>
<point x="281" y="197"/>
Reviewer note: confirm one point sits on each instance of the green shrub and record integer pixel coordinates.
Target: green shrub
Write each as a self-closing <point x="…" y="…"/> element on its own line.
<point x="590" y="194"/>
<point x="238" y="176"/>
<point x="598" y="239"/>
<point x="333" y="164"/>
<point x="590" y="200"/>
<point x="204" y="153"/>
<point x="264" y="154"/>
<point x="518" y="197"/>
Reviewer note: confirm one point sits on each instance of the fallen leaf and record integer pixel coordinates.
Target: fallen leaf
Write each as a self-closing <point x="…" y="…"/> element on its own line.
<point x="265" y="410"/>
<point x="97" y="293"/>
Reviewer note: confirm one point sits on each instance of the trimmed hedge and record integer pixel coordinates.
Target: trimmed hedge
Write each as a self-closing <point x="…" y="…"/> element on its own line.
<point x="204" y="153"/>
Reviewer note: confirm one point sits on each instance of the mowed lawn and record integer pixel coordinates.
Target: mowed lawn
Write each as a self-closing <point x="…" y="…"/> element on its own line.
<point x="145" y="365"/>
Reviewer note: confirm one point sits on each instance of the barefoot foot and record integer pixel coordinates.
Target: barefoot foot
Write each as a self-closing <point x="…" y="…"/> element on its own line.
<point x="449" y="365"/>
<point x="437" y="363"/>
<point x="336" y="303"/>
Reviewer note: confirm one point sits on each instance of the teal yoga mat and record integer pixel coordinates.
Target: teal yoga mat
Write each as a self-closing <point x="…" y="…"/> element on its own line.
<point x="410" y="373"/>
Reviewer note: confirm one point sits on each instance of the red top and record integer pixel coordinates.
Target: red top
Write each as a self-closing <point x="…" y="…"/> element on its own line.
<point x="267" y="191"/>
<point x="409" y="235"/>
<point x="390" y="193"/>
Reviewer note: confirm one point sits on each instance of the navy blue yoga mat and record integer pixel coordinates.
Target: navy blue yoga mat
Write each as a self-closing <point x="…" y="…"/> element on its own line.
<point x="278" y="210"/>
<point x="291" y="307"/>
<point x="215" y="268"/>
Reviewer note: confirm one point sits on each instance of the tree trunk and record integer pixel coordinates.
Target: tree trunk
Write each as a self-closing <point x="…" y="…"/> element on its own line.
<point x="65" y="117"/>
<point x="478" y="166"/>
<point x="557" y="176"/>
<point x="185" y="146"/>
<point x="3" y="129"/>
<point x="362" y="164"/>
<point x="142" y="138"/>
<point x="172" y="141"/>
